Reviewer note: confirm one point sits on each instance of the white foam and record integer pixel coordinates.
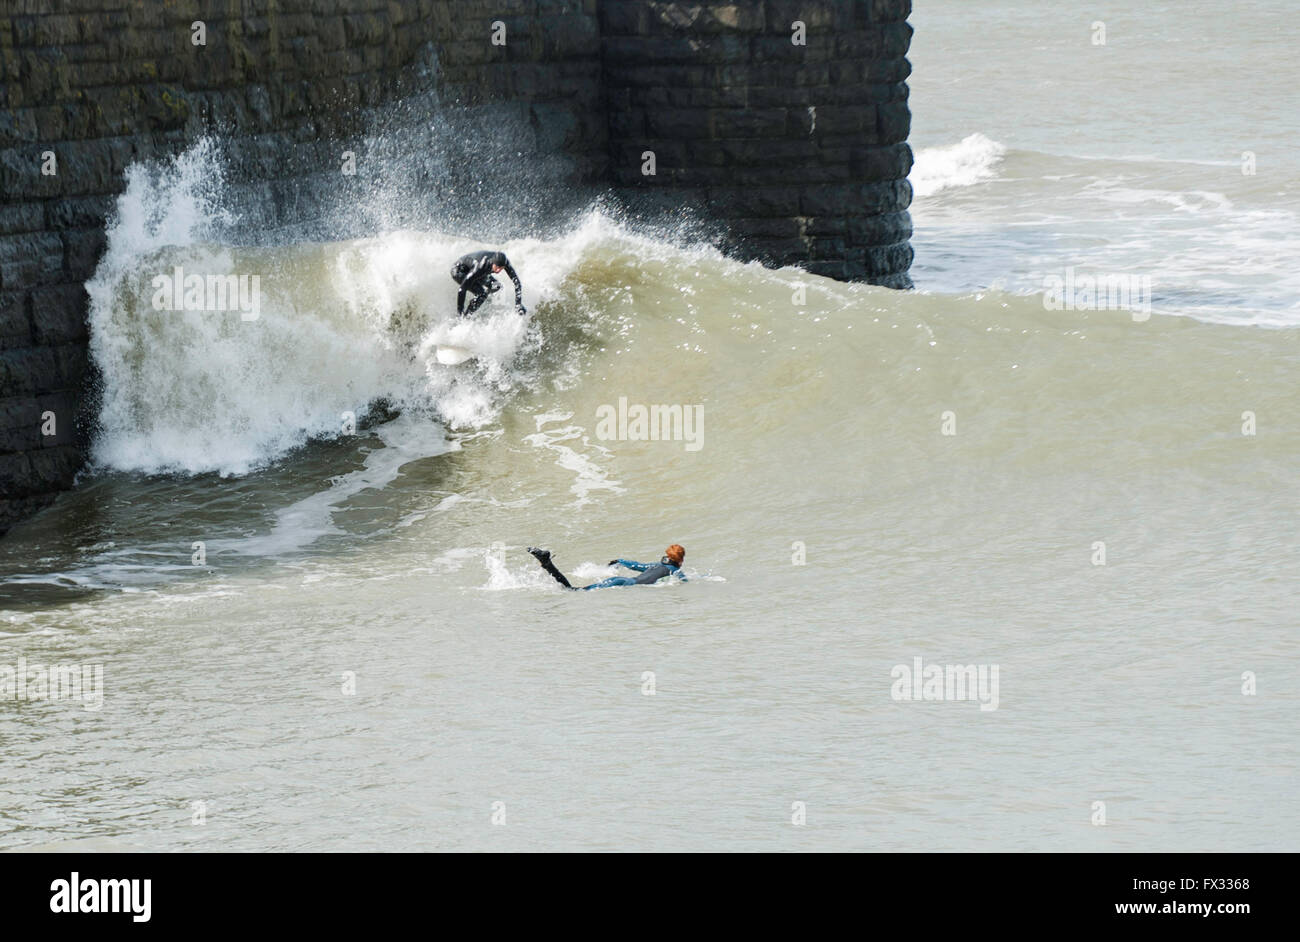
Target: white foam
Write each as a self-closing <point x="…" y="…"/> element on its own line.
<point x="588" y="475"/>
<point x="340" y="326"/>
<point x="1192" y="201"/>
<point x="972" y="160"/>
<point x="502" y="577"/>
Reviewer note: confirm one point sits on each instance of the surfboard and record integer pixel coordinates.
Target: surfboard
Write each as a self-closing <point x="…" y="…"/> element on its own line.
<point x="451" y="356"/>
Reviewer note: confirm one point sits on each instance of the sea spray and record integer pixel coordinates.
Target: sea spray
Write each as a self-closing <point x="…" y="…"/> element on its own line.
<point x="338" y="327"/>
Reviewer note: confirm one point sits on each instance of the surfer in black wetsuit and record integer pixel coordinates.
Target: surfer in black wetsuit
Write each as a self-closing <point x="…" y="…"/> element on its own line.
<point x="669" y="565"/>
<point x="473" y="272"/>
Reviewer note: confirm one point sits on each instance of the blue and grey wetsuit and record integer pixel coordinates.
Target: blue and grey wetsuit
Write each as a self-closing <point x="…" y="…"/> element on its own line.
<point x="650" y="572"/>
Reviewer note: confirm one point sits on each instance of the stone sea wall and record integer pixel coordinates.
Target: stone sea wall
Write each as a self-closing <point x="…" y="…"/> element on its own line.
<point x="787" y="118"/>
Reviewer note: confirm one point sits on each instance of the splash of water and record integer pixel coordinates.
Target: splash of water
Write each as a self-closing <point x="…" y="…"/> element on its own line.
<point x="340" y="326"/>
<point x="972" y="160"/>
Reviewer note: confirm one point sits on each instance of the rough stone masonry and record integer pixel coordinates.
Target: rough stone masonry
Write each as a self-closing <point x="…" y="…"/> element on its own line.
<point x="785" y="119"/>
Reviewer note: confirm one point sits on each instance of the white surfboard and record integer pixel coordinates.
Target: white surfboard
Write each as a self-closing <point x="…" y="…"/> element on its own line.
<point x="451" y="356"/>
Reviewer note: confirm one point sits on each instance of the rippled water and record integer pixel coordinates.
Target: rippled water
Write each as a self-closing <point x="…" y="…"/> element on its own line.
<point x="361" y="655"/>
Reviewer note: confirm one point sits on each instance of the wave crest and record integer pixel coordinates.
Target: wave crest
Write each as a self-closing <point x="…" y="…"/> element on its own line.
<point x="972" y="160"/>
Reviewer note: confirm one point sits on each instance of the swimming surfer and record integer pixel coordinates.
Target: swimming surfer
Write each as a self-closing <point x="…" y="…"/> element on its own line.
<point x="473" y="272"/>
<point x="669" y="565"/>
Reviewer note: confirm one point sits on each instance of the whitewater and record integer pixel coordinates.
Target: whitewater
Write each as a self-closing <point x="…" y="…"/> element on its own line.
<point x="298" y="553"/>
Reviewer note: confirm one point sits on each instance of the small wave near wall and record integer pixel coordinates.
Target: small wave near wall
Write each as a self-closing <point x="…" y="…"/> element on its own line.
<point x="972" y="160"/>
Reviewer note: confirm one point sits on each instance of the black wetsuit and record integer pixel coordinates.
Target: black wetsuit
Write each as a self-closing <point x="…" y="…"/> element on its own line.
<point x="473" y="272"/>
<point x="650" y="572"/>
